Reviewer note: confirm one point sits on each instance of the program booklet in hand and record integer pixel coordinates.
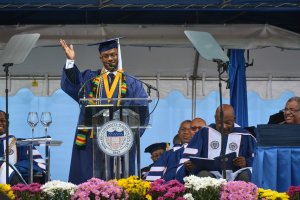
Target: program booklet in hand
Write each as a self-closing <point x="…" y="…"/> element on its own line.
<point x="214" y="164"/>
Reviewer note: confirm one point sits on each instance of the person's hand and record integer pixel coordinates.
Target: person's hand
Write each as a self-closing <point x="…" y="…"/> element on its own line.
<point x="69" y="50"/>
<point x="240" y="162"/>
<point x="189" y="165"/>
<point x="2" y="130"/>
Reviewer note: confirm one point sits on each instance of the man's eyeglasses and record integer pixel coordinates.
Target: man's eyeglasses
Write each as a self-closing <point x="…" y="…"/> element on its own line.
<point x="291" y="110"/>
<point x="184" y="129"/>
<point x="195" y="128"/>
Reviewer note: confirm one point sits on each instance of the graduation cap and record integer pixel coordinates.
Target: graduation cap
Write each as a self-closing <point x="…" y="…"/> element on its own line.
<point x="111" y="44"/>
<point x="153" y="147"/>
<point x="108" y="44"/>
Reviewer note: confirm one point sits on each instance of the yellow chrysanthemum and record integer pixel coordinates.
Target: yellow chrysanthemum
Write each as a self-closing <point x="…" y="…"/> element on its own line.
<point x="135" y="186"/>
<point x="148" y="197"/>
<point x="281" y="195"/>
<point x="6" y="189"/>
<point x="272" y="195"/>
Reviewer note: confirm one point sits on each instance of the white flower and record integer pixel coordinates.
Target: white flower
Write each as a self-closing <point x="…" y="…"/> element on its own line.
<point x="54" y="186"/>
<point x="188" y="196"/>
<point x="196" y="183"/>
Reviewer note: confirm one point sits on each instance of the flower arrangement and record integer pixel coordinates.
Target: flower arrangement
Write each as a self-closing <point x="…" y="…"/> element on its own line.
<point x="6" y="190"/>
<point x="271" y="195"/>
<point x="294" y="192"/>
<point x="162" y="190"/>
<point x="32" y="191"/>
<point x="58" y="190"/>
<point x="135" y="187"/>
<point x="98" y="189"/>
<point x="239" y="190"/>
<point x="206" y="188"/>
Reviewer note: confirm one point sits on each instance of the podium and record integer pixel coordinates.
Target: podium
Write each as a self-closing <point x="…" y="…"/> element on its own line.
<point x="116" y="135"/>
<point x="276" y="164"/>
<point x="30" y="143"/>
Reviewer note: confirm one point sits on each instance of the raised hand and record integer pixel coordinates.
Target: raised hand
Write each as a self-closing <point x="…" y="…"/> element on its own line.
<point x="69" y="50"/>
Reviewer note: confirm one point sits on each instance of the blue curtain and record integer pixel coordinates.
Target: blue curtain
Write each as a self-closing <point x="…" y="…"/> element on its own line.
<point x="238" y="87"/>
<point x="276" y="168"/>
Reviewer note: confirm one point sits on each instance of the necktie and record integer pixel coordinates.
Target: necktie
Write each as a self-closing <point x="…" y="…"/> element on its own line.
<point x="111" y="78"/>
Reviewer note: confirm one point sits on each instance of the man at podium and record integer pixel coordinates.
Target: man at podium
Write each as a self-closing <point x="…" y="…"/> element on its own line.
<point x="108" y="82"/>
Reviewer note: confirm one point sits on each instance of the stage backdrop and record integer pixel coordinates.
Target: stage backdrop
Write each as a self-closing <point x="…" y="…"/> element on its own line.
<point x="171" y="110"/>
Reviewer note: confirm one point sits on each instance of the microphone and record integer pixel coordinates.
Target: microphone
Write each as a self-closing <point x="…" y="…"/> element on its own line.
<point x="149" y="86"/>
<point x="83" y="85"/>
<point x="112" y="66"/>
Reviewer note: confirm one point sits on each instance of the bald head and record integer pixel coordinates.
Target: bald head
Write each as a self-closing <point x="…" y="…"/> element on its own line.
<point x="228" y="120"/>
<point x="197" y="124"/>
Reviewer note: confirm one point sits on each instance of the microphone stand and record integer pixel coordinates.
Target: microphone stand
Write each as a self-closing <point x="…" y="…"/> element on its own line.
<point x="222" y="66"/>
<point x="209" y="49"/>
<point x="148" y="91"/>
<point x="6" y="66"/>
<point x="15" y="170"/>
<point x="15" y="52"/>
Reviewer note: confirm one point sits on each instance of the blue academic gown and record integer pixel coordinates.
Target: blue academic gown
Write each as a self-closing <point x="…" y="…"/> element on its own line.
<point x="22" y="161"/>
<point x="166" y="165"/>
<point x="198" y="147"/>
<point x="145" y="171"/>
<point x="81" y="168"/>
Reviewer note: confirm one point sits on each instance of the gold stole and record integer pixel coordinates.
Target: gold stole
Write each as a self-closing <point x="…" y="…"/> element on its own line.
<point x="110" y="91"/>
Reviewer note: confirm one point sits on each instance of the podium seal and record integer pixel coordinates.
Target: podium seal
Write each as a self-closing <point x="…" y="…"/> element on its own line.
<point x="115" y="138"/>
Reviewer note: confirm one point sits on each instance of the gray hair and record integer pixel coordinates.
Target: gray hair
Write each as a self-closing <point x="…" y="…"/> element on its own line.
<point x="295" y="98"/>
<point x="183" y="122"/>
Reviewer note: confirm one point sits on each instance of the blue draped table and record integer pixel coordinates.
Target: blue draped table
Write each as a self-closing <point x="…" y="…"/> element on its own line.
<point x="276" y="168"/>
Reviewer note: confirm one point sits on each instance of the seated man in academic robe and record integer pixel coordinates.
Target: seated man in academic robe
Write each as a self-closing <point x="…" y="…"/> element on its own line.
<point x="207" y="144"/>
<point x="18" y="159"/>
<point x="167" y="164"/>
<point x="156" y="150"/>
<point x="196" y="125"/>
<point x="164" y="166"/>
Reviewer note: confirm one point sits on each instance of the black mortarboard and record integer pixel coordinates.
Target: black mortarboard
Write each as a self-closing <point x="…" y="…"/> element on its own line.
<point x="108" y="44"/>
<point x="153" y="147"/>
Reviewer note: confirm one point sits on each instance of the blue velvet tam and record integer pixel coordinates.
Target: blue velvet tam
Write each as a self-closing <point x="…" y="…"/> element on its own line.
<point x="108" y="45"/>
<point x="153" y="147"/>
